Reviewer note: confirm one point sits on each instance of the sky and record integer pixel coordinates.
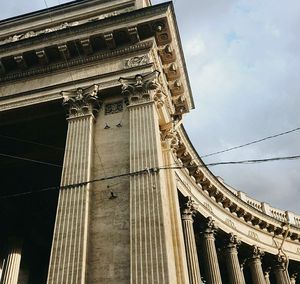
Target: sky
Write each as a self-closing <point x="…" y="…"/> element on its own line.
<point x="243" y="60"/>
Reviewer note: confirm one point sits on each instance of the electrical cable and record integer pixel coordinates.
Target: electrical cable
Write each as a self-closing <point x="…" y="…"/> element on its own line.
<point x="31" y="142"/>
<point x="251" y="143"/>
<point x="151" y="170"/>
<point x="30" y="160"/>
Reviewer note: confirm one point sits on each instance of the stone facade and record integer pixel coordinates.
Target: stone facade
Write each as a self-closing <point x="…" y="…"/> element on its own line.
<point x="135" y="202"/>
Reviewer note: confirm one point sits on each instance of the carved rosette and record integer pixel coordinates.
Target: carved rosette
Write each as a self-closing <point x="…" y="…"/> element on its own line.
<point x="141" y="88"/>
<point x="189" y="209"/>
<point x="81" y="102"/>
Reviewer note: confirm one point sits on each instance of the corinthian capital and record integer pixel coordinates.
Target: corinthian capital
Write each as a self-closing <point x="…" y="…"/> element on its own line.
<point x="210" y="227"/>
<point x="140" y="88"/>
<point x="256" y="252"/>
<point x="232" y="241"/>
<point x="82" y="101"/>
<point x="189" y="209"/>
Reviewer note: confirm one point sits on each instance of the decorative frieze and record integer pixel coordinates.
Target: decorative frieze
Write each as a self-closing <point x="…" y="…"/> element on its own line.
<point x="253" y="235"/>
<point x="137" y="61"/>
<point x="114" y="107"/>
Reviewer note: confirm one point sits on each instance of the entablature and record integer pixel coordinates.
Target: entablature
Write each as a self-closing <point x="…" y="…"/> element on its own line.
<point x="101" y="39"/>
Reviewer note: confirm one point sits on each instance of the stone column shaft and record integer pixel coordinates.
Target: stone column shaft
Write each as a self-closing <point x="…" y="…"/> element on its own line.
<point x="69" y="247"/>
<point x="11" y="267"/>
<point x="190" y="245"/>
<point x="149" y="256"/>
<point x="232" y="261"/>
<point x="178" y="242"/>
<point x="213" y="275"/>
<point x="281" y="274"/>
<point x="267" y="277"/>
<point x="257" y="273"/>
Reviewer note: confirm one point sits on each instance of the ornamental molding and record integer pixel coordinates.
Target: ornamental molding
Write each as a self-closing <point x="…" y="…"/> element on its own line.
<point x="78" y="61"/>
<point x="63" y="26"/>
<point x="30" y="34"/>
<point x="93" y="24"/>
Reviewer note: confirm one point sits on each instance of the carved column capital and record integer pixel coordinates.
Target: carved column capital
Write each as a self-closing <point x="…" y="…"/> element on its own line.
<point x="189" y="209"/>
<point x="210" y="227"/>
<point x="81" y="102"/>
<point x="256" y="252"/>
<point x="232" y="241"/>
<point x="141" y="88"/>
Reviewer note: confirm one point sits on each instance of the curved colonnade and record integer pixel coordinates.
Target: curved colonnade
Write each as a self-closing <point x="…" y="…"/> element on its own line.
<point x="234" y="238"/>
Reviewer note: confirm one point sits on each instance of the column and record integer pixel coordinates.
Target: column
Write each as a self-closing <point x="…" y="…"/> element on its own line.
<point x="280" y="270"/>
<point x="267" y="275"/>
<point x="213" y="275"/>
<point x="294" y="278"/>
<point x="150" y="261"/>
<point x="11" y="267"/>
<point x="69" y="246"/>
<point x="190" y="244"/>
<point x="169" y="143"/>
<point x="232" y="261"/>
<point x="257" y="273"/>
<point x="242" y="271"/>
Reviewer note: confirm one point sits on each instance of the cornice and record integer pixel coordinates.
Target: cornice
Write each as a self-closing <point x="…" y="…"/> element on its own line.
<point x="78" y="61"/>
<point x="101" y="24"/>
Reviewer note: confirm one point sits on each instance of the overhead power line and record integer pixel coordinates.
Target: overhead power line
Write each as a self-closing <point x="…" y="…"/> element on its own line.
<point x="255" y="161"/>
<point x="149" y="171"/>
<point x="251" y="143"/>
<point x="31" y="142"/>
<point x="30" y="160"/>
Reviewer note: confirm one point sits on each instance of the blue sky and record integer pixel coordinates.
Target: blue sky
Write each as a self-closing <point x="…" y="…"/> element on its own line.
<point x="243" y="60"/>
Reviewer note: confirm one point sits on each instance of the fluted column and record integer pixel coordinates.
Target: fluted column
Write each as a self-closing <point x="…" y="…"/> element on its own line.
<point x="257" y="273"/>
<point x="169" y="144"/>
<point x="190" y="244"/>
<point x="242" y="271"/>
<point x="69" y="246"/>
<point x="280" y="270"/>
<point x="232" y="261"/>
<point x="149" y="261"/>
<point x="294" y="278"/>
<point x="267" y="275"/>
<point x="11" y="267"/>
<point x="212" y="270"/>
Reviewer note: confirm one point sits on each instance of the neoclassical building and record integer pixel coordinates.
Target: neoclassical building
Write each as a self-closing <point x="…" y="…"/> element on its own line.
<point x="99" y="180"/>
